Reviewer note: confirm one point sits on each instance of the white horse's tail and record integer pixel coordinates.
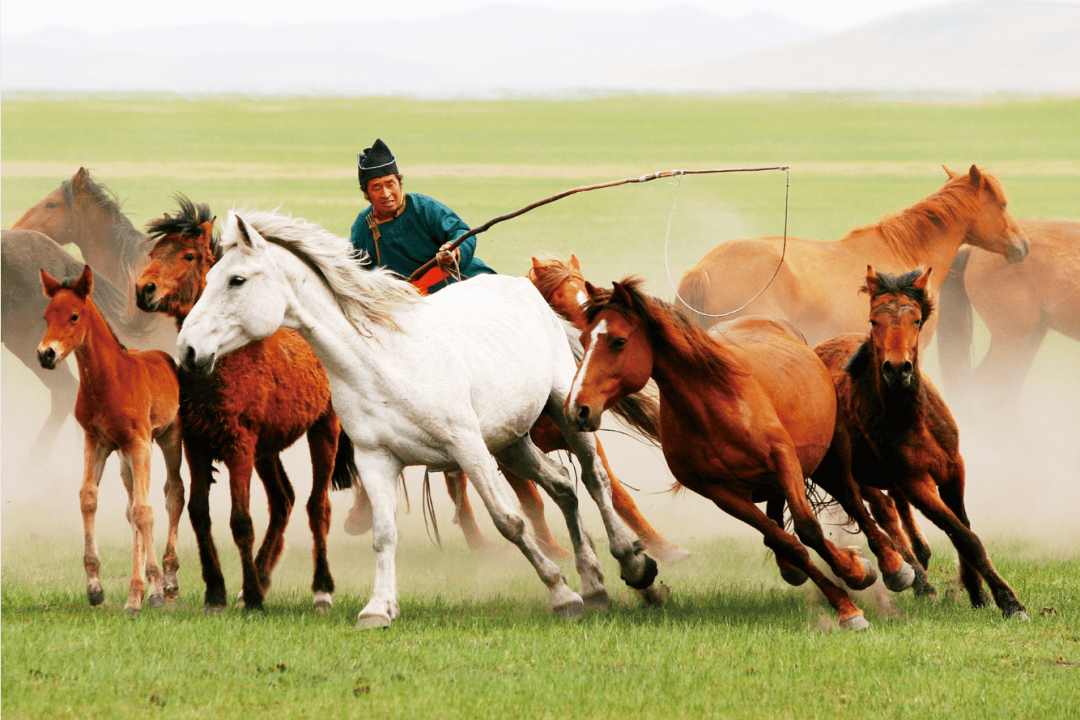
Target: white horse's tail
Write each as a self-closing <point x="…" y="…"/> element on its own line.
<point x="641" y="411"/>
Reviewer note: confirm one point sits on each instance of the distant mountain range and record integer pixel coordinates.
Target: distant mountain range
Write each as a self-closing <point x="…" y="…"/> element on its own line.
<point x="970" y="47"/>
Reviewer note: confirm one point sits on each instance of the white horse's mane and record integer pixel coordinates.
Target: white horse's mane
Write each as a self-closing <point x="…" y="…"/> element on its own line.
<point x="365" y="296"/>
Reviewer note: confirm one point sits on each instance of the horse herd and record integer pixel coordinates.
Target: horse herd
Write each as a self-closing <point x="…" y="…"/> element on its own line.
<point x="276" y="317"/>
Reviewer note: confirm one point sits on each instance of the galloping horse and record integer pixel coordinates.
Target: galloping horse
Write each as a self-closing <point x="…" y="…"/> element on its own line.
<point x="969" y="208"/>
<point x="741" y="421"/>
<point x="259" y="400"/>
<point x="442" y="381"/>
<point x="898" y="433"/>
<point x="1018" y="302"/>
<point x="563" y="286"/>
<point x="127" y="401"/>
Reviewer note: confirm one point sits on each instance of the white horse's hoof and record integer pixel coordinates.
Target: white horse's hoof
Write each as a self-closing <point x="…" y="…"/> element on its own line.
<point x="855" y="622"/>
<point x="599" y="601"/>
<point x="900" y="580"/>
<point x="570" y="610"/>
<point x="155" y="601"/>
<point x="369" y="622"/>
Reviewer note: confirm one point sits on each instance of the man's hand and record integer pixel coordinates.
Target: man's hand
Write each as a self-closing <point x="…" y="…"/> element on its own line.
<point x="447" y="257"/>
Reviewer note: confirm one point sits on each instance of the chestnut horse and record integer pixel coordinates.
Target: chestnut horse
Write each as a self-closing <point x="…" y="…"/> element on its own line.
<point x="743" y="419"/>
<point x="127" y="401"/>
<point x="563" y="286"/>
<point x="897" y="432"/>
<point x="258" y="401"/>
<point x="1018" y="302"/>
<point x="970" y="208"/>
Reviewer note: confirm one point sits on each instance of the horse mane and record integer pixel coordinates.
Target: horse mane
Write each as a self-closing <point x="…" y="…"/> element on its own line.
<point x="125" y="236"/>
<point x="367" y="297"/>
<point x="671" y="331"/>
<point x="903" y="284"/>
<point x="909" y="230"/>
<point x="556" y="272"/>
<point x="187" y="223"/>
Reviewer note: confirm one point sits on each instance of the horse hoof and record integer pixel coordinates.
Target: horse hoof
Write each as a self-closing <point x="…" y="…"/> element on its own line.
<point x="855" y="622"/>
<point x="213" y="609"/>
<point x="323" y="601"/>
<point x="599" y="601"/>
<point x="369" y="622"/>
<point x="96" y="596"/>
<point x="669" y="555"/>
<point x="654" y="596"/>
<point x="570" y="611"/>
<point x="132" y="612"/>
<point x="869" y="576"/>
<point x="793" y="576"/>
<point x="1019" y="613"/>
<point x="900" y="580"/>
<point x="155" y="601"/>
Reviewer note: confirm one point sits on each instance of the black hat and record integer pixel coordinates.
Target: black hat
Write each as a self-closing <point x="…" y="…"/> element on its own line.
<point x="374" y="162"/>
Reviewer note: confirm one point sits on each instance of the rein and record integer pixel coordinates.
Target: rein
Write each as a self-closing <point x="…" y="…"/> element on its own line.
<point x="419" y="272"/>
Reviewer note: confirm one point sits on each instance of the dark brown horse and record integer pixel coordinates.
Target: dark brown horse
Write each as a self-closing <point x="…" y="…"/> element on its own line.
<point x="742" y="420"/>
<point x="894" y="430"/>
<point x="127" y="401"/>
<point x="1018" y="302"/>
<point x="258" y="401"/>
<point x="815" y="287"/>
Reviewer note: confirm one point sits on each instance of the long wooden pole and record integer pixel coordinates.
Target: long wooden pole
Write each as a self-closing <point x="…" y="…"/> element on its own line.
<point x="419" y="272"/>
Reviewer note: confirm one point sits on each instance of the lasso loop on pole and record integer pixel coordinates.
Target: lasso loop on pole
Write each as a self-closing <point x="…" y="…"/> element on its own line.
<point x="783" y="251"/>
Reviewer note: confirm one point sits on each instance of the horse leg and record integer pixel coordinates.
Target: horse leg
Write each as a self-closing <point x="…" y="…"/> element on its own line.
<point x="94" y="457"/>
<point x="532" y="505"/>
<point x="280" y="500"/>
<point x="457" y="486"/>
<point x="526" y="462"/>
<point x="240" y="468"/>
<point x="147" y="576"/>
<point x="200" y="470"/>
<point x="919" y="545"/>
<point x="884" y="509"/>
<point x="380" y="472"/>
<point x="945" y="508"/>
<point x="638" y="570"/>
<point x="322" y="439"/>
<point x="171" y="443"/>
<point x="664" y="550"/>
<point x="473" y="457"/>
<point x="63" y="392"/>
<point x="783" y="543"/>
<point x="774" y="510"/>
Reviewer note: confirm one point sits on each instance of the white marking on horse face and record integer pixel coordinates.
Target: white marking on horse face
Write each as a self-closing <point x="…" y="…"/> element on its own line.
<point x="582" y="297"/>
<point x="579" y="379"/>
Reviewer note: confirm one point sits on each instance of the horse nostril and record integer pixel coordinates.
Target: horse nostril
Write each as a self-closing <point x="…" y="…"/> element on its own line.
<point x="583" y="414"/>
<point x="189" y="358"/>
<point x="47" y="358"/>
<point x="907" y="369"/>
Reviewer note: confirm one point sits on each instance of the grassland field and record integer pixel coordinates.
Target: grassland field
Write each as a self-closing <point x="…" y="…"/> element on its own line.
<point x="475" y="639"/>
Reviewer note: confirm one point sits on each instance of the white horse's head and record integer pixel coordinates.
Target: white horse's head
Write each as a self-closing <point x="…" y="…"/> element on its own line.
<point x="246" y="299"/>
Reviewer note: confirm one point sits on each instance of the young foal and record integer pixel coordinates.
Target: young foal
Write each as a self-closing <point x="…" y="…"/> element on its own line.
<point x="127" y="400"/>
<point x="740" y="422"/>
<point x="259" y="401"/>
<point x="901" y="436"/>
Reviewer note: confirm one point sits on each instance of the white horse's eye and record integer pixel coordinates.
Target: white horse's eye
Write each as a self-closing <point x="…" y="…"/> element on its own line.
<point x="237" y="281"/>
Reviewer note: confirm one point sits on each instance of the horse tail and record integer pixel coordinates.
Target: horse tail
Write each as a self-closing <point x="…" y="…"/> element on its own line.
<point x="641" y="411"/>
<point x="693" y="294"/>
<point x="955" y="324"/>
<point x="345" y="472"/>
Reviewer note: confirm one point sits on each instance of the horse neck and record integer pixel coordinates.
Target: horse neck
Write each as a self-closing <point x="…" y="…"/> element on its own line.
<point x="892" y="414"/>
<point x="110" y="244"/>
<point x="99" y="353"/>
<point x="678" y="375"/>
<point x="905" y="241"/>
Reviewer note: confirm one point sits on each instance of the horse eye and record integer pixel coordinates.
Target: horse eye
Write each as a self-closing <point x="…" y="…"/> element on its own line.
<point x="74" y="318"/>
<point x="918" y="323"/>
<point x="618" y="343"/>
<point x="50" y="205"/>
<point x="236" y="281"/>
<point x="189" y="256"/>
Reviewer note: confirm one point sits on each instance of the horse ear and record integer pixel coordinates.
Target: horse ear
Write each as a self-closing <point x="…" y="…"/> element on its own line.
<point x="85" y="284"/>
<point x="245" y="235"/>
<point x="574" y="262"/>
<point x="923" y="280"/>
<point x="871" y="280"/>
<point x="537" y="266"/>
<point x="860" y="360"/>
<point x="49" y="283"/>
<point x="975" y="176"/>
<point x="78" y="180"/>
<point x="619" y="294"/>
<point x="948" y="172"/>
<point x="591" y="290"/>
<point x="208" y="227"/>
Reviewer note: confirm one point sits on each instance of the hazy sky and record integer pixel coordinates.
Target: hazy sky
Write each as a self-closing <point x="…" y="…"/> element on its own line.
<point x="100" y="16"/>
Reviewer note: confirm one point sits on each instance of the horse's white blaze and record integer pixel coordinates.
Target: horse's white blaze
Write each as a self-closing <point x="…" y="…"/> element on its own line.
<point x="582" y="298"/>
<point x="579" y="379"/>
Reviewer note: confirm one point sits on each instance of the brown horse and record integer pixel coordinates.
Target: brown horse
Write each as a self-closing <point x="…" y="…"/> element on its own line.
<point x="743" y="419"/>
<point x="815" y="286"/>
<point x="894" y="429"/>
<point x="258" y="401"/>
<point x="1018" y="302"/>
<point x="127" y="401"/>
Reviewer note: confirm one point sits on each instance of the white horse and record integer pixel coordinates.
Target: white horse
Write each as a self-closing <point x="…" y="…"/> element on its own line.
<point x="442" y="381"/>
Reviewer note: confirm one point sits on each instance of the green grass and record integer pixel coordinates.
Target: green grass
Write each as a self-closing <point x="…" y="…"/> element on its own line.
<point x="476" y="639"/>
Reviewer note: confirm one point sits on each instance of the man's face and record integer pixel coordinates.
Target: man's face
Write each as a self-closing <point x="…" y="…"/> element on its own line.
<point x="385" y="195"/>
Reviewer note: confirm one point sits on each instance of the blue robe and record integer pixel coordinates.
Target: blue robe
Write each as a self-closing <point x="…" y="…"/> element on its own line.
<point x="413" y="237"/>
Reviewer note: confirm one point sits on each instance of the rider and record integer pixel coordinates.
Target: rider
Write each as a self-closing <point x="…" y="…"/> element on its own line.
<point x="402" y="231"/>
